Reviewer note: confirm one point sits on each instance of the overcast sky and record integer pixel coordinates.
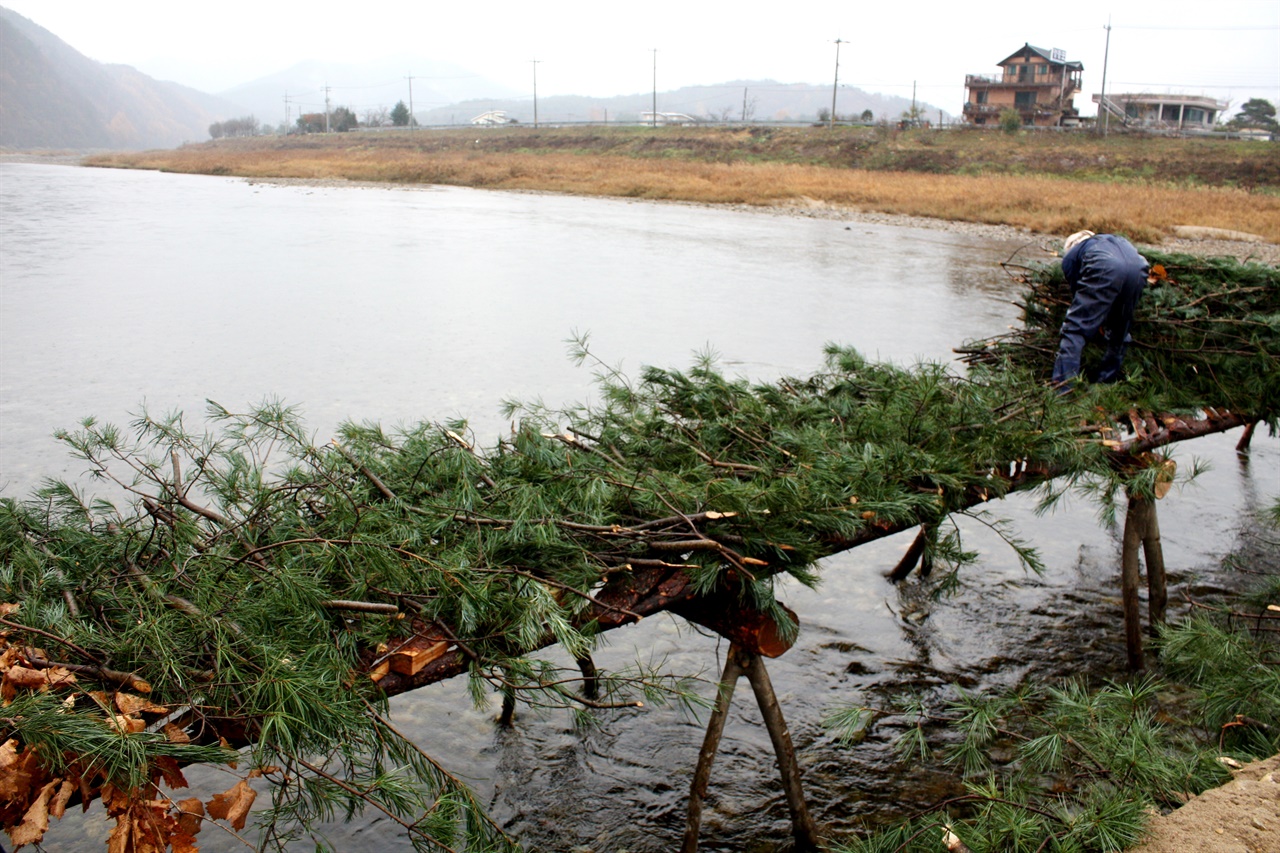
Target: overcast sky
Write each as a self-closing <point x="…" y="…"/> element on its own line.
<point x="1229" y="49"/>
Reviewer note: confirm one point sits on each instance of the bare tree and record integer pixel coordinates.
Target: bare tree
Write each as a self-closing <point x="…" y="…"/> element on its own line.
<point x="378" y="116"/>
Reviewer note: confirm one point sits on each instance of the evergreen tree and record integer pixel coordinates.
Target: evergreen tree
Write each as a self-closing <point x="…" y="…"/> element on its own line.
<point x="1256" y="113"/>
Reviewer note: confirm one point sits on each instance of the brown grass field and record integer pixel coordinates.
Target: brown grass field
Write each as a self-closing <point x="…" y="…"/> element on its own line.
<point x="1052" y="184"/>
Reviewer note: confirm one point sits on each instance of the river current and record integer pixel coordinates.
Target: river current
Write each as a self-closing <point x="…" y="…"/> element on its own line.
<point x="123" y="289"/>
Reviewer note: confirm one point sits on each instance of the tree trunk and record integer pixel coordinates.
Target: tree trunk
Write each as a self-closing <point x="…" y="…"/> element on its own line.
<point x="1134" y="527"/>
<point x="802" y="826"/>
<point x="1153" y="552"/>
<point x="710" y="744"/>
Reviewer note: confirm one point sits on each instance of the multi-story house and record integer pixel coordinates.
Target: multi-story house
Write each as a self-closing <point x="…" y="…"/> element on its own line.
<point x="1040" y="84"/>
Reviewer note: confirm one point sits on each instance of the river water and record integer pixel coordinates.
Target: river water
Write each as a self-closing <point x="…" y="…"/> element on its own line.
<point x="119" y="289"/>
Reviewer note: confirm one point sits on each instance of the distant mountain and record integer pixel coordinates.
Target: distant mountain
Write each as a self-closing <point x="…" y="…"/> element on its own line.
<point x="362" y="87"/>
<point x="765" y="100"/>
<point x="51" y="96"/>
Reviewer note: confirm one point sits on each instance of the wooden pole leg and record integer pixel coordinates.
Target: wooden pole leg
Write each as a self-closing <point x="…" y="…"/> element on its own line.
<point x="1153" y="552"/>
<point x="802" y="826"/>
<point x="741" y="662"/>
<point x="507" y="716"/>
<point x="1242" y="446"/>
<point x="1134" y="527"/>
<point x="710" y="744"/>
<point x="912" y="556"/>
<point x="590" y="677"/>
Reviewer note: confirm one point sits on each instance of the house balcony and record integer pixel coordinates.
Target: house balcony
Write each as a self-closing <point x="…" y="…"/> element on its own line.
<point x="986" y="81"/>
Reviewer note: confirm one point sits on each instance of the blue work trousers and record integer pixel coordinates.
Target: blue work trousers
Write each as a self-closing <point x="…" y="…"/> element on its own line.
<point x="1109" y="278"/>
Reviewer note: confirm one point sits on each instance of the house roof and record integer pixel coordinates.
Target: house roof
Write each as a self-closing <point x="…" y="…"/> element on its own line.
<point x="1028" y="50"/>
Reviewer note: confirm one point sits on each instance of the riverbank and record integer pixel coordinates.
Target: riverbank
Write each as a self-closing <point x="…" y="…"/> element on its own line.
<point x="1145" y="188"/>
<point x="1242" y="816"/>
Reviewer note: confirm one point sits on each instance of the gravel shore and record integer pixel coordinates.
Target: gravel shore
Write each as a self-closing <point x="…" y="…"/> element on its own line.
<point x="1245" y="250"/>
<point x="1262" y="252"/>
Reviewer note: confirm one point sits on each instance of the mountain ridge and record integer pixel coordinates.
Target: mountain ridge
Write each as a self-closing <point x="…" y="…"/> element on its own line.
<point x="52" y="96"/>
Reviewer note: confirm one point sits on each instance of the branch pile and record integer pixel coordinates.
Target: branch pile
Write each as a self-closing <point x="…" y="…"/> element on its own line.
<point x="244" y="586"/>
<point x="1206" y="333"/>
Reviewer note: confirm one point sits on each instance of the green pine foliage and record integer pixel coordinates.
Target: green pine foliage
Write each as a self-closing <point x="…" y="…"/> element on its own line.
<point x="209" y="571"/>
<point x="213" y="564"/>
<point x="1206" y="332"/>
<point x="1072" y="768"/>
<point x="1090" y="766"/>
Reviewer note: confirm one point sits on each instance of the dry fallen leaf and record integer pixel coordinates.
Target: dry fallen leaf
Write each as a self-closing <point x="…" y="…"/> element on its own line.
<point x="1164" y="477"/>
<point x="35" y="823"/>
<point x="183" y="839"/>
<point x="58" y="807"/>
<point x="175" y="734"/>
<point x="191" y="816"/>
<point x="233" y="804"/>
<point x="126" y="725"/>
<point x="16" y="771"/>
<point x="119" y="839"/>
<point x="171" y="771"/>
<point x="131" y="705"/>
<point x="21" y="676"/>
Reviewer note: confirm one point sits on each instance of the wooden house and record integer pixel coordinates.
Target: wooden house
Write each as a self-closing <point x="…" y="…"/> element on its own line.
<point x="1040" y="84"/>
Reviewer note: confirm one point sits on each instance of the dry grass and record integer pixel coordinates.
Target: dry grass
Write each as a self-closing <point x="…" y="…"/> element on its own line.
<point x="1047" y="204"/>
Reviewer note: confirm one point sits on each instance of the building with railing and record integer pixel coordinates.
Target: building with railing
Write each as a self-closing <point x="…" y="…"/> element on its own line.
<point x="1162" y="112"/>
<point x="1040" y="84"/>
<point x="652" y="118"/>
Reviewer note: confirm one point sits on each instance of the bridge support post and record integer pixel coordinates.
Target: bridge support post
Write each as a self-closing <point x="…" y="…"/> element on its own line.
<point x="1242" y="446"/>
<point x="741" y="661"/>
<point x="1141" y="531"/>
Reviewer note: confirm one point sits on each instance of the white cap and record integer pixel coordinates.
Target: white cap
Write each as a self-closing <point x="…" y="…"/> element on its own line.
<point x="1075" y="240"/>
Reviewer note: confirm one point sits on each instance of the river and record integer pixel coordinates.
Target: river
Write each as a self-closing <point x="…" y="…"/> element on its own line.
<point x="122" y="289"/>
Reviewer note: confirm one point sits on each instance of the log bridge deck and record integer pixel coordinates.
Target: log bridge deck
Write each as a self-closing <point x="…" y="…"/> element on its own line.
<point x="655" y="581"/>
<point x="654" y="585"/>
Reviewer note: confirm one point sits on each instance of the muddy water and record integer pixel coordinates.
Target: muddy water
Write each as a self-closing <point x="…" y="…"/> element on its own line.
<point x="398" y="305"/>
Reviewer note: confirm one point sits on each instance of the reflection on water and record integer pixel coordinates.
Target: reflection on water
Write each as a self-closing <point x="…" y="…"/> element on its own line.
<point x="399" y="305"/>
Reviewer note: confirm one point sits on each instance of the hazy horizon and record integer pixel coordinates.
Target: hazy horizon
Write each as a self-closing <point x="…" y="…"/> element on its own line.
<point x="1227" y="51"/>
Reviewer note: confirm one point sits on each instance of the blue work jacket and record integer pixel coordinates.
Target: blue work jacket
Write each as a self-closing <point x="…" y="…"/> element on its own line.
<point x="1107" y="276"/>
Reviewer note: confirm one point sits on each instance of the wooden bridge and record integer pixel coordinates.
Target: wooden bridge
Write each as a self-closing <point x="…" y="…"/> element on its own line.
<point x="266" y="592"/>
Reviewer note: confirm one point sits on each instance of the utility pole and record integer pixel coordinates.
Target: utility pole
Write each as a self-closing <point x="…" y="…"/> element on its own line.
<point x="286" y="112"/>
<point x="655" y="87"/>
<point x="535" y="91"/>
<point x="411" y="120"/>
<point x="1102" y="100"/>
<point x="326" y="107"/>
<point x="744" y="104"/>
<point x="913" y="103"/>
<point x="831" y="121"/>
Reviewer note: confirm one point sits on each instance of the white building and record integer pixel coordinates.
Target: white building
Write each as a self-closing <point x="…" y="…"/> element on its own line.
<point x="1165" y="112"/>
<point x="650" y="117"/>
<point x="492" y="117"/>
